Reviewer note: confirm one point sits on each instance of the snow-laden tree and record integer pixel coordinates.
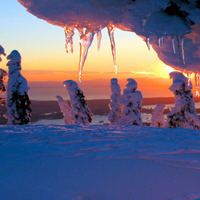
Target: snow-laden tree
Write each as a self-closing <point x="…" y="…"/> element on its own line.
<point x="183" y="114"/>
<point x="114" y="116"/>
<point x="18" y="103"/>
<point x="157" y="119"/>
<point x="80" y="113"/>
<point x="65" y="109"/>
<point x="132" y="104"/>
<point x="3" y="73"/>
<point x="2" y="52"/>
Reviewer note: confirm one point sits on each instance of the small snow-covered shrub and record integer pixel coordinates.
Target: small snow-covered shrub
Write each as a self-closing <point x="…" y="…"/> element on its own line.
<point x="157" y="119"/>
<point x="114" y="116"/>
<point x="65" y="109"/>
<point x="183" y="114"/>
<point x="132" y="104"/>
<point x="80" y="113"/>
<point x="18" y="103"/>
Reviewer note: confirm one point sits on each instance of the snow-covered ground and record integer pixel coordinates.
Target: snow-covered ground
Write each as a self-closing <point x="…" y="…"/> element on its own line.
<point x="73" y="162"/>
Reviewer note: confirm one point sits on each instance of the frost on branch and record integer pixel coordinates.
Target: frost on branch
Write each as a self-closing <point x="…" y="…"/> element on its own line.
<point x="2" y="52"/>
<point x="80" y="113"/>
<point x="3" y="73"/>
<point x="183" y="114"/>
<point x="18" y="103"/>
<point x="157" y="119"/>
<point x="132" y="102"/>
<point x="114" y="116"/>
<point x="65" y="109"/>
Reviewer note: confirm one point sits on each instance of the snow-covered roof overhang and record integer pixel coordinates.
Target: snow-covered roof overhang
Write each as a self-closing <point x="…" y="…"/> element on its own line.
<point x="172" y="27"/>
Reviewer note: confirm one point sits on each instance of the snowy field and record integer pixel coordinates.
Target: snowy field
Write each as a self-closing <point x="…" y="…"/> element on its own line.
<point x="71" y="162"/>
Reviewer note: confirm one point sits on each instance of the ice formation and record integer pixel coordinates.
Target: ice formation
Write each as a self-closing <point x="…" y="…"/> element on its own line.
<point x="99" y="36"/>
<point x="65" y="109"/>
<point x="85" y="43"/>
<point x="3" y="73"/>
<point x="177" y="22"/>
<point x="183" y="114"/>
<point x="132" y="104"/>
<point x="69" y="32"/>
<point x="18" y="103"/>
<point x="80" y="113"/>
<point x="157" y="119"/>
<point x="197" y="84"/>
<point x="114" y="115"/>
<point x="111" y="30"/>
<point x="2" y="52"/>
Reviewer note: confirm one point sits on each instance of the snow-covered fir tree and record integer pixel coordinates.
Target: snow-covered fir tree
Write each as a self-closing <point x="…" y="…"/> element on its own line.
<point x="18" y="103"/>
<point x="183" y="114"/>
<point x="132" y="104"/>
<point x="3" y="73"/>
<point x="2" y="52"/>
<point x="65" y="109"/>
<point x="157" y="119"/>
<point x="114" y="116"/>
<point x="80" y="113"/>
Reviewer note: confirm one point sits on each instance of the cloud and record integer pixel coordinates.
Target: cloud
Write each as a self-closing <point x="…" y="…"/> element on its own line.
<point x="142" y="72"/>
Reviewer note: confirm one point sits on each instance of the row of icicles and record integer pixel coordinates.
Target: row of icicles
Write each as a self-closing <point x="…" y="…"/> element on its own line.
<point x="197" y="84"/>
<point x="180" y="43"/>
<point x="86" y="38"/>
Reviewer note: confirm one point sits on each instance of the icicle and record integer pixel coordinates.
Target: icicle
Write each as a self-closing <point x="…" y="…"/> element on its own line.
<point x="173" y="45"/>
<point x="181" y="48"/>
<point x="111" y="30"/>
<point x="80" y="31"/>
<point x="189" y="78"/>
<point x="159" y="41"/>
<point x="142" y="23"/>
<point x="69" y="32"/>
<point x="99" y="36"/>
<point x="147" y="40"/>
<point x="197" y="84"/>
<point x="85" y="42"/>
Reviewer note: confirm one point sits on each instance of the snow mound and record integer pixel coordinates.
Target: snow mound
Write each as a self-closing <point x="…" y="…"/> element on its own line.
<point x="74" y="162"/>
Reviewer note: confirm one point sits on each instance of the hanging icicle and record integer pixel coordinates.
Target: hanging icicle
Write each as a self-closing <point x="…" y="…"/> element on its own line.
<point x="142" y="23"/>
<point x="180" y="42"/>
<point x="189" y="78"/>
<point x="85" y="43"/>
<point x="173" y="45"/>
<point x="162" y="40"/>
<point x="80" y="31"/>
<point x="147" y="40"/>
<point x="197" y="84"/>
<point x="69" y="32"/>
<point x="159" y="41"/>
<point x="111" y="30"/>
<point x="99" y="36"/>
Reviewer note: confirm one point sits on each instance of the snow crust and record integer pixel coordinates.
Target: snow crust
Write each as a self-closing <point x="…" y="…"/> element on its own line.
<point x="75" y="162"/>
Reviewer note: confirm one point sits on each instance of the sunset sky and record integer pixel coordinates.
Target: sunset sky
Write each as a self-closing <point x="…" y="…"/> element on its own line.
<point x="42" y="47"/>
